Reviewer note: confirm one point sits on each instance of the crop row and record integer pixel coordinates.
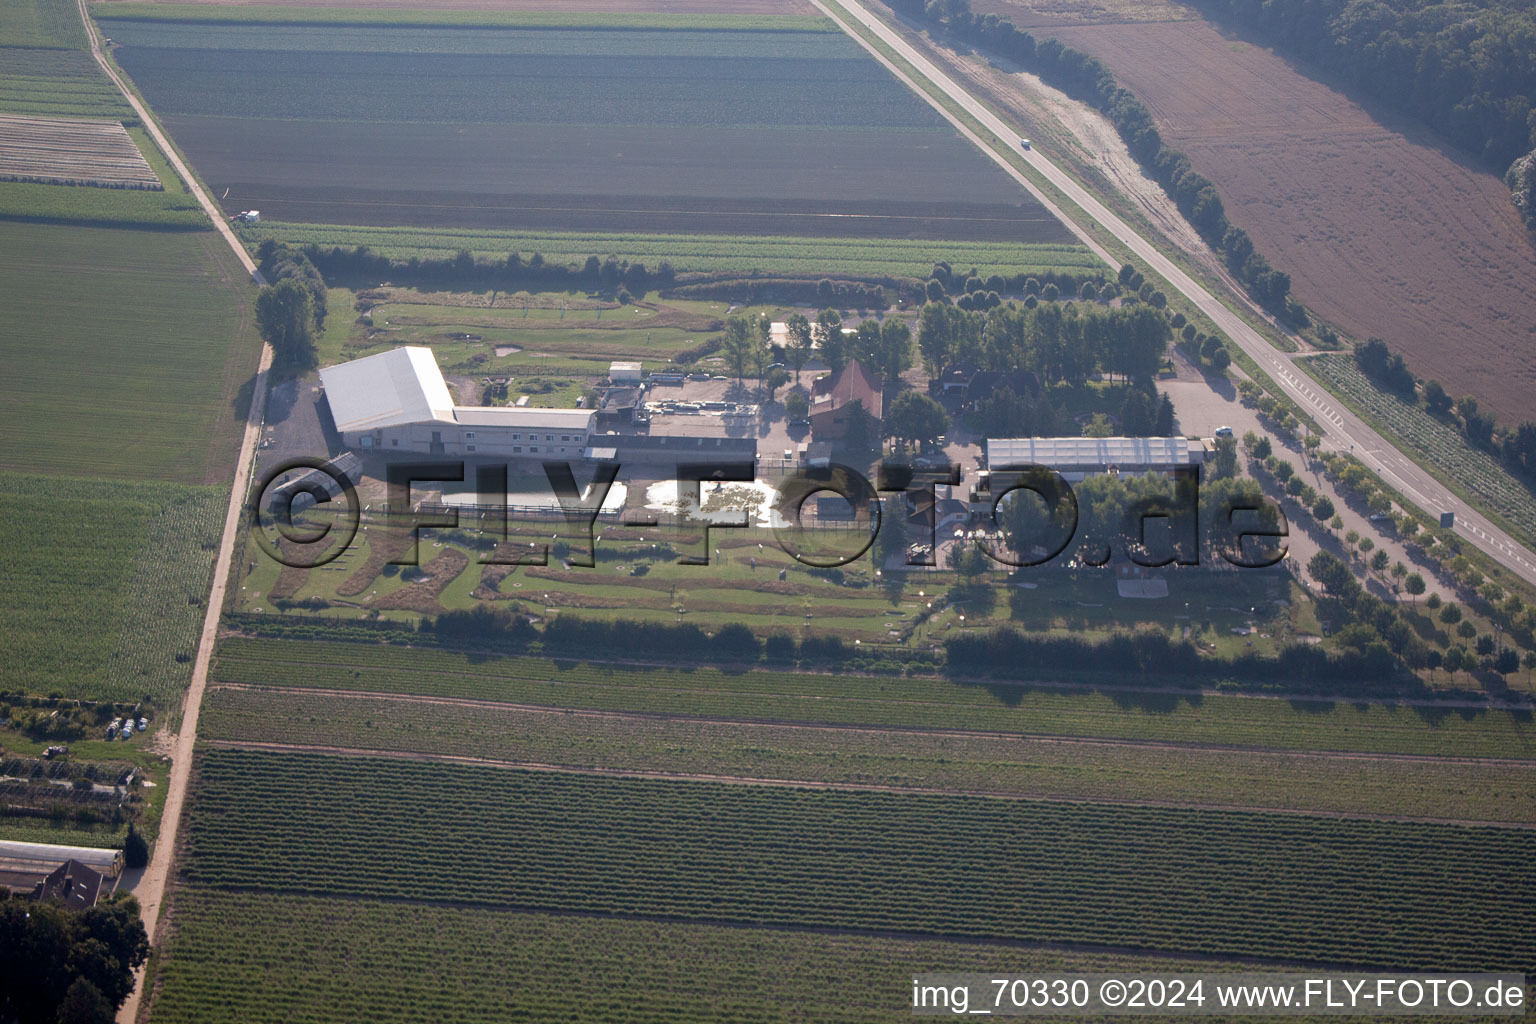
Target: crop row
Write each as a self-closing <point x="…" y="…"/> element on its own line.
<point x="805" y="39"/>
<point x="1227" y="883"/>
<point x="106" y="585"/>
<point x="816" y="95"/>
<point x="1441" y="445"/>
<point x="770" y="255"/>
<point x="57" y="83"/>
<point x="875" y="700"/>
<point x="48" y="24"/>
<point x="309" y="960"/>
<point x="220" y="19"/>
<point x="1013" y="765"/>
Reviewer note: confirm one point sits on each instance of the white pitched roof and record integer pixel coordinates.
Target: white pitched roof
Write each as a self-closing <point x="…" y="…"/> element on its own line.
<point x="1121" y="452"/>
<point x="389" y="389"/>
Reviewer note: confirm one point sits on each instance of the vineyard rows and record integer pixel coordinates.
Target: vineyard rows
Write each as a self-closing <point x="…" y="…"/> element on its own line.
<point x="1227" y="883"/>
<point x="65" y="151"/>
<point x="767" y="694"/>
<point x="1441" y="445"/>
<point x="1013" y="765"/>
<point x="308" y="960"/>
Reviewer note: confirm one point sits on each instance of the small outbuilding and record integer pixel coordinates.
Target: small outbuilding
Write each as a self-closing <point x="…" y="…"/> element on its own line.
<point x="625" y="373"/>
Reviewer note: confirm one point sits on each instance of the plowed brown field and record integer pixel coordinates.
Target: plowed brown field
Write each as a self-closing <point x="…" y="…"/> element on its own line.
<point x="1384" y="233"/>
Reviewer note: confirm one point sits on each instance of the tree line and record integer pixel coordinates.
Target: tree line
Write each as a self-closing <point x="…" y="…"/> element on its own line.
<point x="291" y="308"/>
<point x="1514" y="447"/>
<point x="1086" y="78"/>
<point x="1010" y="654"/>
<point x="614" y="275"/>
<point x="1465" y="67"/>
<point x="1058" y="341"/>
<point x="65" y="966"/>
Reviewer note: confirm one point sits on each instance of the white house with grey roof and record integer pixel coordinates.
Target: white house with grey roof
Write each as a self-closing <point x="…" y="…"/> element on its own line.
<point x="398" y="402"/>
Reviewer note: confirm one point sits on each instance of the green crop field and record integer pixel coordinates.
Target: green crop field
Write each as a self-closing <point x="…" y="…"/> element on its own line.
<point x="357" y="15"/>
<point x="126" y="352"/>
<point x="721" y="133"/>
<point x="1442" y="446"/>
<point x="995" y="764"/>
<point x="51" y="24"/>
<point x="106" y="584"/>
<point x="315" y="960"/>
<point x="843" y="698"/>
<point x="769" y="255"/>
<point x="44" y="66"/>
<point x="1226" y="883"/>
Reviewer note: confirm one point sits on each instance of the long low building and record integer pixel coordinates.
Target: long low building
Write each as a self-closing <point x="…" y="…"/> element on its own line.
<point x="25" y="868"/>
<point x="398" y="402"/>
<point x="1077" y="458"/>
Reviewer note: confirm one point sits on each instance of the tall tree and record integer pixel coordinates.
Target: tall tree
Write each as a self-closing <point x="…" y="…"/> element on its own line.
<point x="798" y="350"/>
<point x="738" y="345"/>
<point x="285" y="319"/>
<point x="865" y="345"/>
<point x="914" y="417"/>
<point x="895" y="347"/>
<point x="934" y="337"/>
<point x="829" y="337"/>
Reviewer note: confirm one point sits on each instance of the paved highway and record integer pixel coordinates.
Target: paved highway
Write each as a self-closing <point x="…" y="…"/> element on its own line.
<point x="1346" y="432"/>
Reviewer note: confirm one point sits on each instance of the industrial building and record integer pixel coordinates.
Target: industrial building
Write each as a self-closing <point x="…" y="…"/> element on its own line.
<point x="398" y="402"/>
<point x="1077" y="458"/>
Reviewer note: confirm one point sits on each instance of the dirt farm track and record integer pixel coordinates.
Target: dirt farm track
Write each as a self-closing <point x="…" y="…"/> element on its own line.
<point x="1384" y="234"/>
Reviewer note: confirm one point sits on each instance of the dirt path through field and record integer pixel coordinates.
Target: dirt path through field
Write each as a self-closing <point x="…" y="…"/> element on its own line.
<point x="150" y="887"/>
<point x="845" y="787"/>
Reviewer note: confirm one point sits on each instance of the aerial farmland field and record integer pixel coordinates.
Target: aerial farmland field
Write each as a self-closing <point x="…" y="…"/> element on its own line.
<point x="109" y="582"/>
<point x="766" y="254"/>
<point x="765" y="695"/>
<point x="997" y="764"/>
<point x="70" y="151"/>
<point x="717" y="132"/>
<point x="1381" y="893"/>
<point x="324" y="960"/>
<point x="1385" y="233"/>
<point x="155" y="361"/>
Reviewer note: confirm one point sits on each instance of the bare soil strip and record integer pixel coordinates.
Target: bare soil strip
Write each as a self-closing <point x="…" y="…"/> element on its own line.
<point x="67" y="151"/>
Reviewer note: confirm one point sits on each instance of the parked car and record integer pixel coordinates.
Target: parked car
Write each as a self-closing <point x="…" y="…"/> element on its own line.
<point x="1223" y="431"/>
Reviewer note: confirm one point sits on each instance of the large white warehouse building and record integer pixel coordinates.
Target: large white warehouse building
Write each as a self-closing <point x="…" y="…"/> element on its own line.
<point x="397" y="401"/>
